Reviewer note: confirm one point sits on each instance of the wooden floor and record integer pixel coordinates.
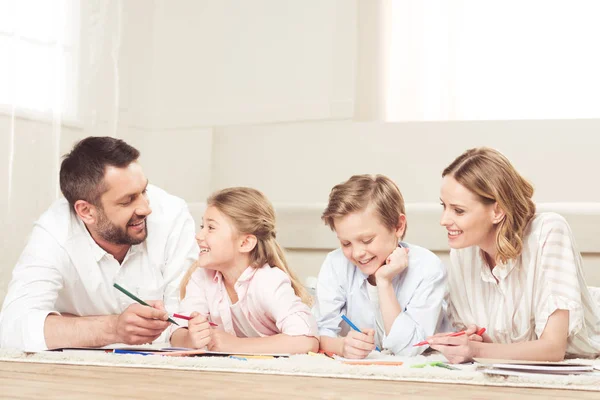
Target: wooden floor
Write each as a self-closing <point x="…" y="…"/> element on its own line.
<point x="50" y="381"/>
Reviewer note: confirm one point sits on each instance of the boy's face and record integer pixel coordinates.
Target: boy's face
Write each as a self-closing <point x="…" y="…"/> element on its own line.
<point x="365" y="241"/>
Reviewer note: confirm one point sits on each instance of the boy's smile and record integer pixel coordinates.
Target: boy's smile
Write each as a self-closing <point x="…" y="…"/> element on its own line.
<point x="365" y="240"/>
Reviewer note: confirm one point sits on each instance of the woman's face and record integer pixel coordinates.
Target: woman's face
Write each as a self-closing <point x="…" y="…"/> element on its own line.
<point x="469" y="222"/>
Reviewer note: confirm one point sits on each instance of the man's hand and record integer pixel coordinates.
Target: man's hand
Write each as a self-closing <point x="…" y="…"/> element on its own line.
<point x="358" y="344"/>
<point x="140" y="324"/>
<point x="395" y="264"/>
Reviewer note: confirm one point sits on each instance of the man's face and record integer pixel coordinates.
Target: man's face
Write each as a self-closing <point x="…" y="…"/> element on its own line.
<point x="123" y="208"/>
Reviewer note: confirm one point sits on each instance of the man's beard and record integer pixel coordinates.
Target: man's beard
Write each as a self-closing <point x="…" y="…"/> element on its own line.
<point x="115" y="234"/>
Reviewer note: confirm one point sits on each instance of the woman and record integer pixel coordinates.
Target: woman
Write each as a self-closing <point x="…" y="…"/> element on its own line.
<point x="514" y="272"/>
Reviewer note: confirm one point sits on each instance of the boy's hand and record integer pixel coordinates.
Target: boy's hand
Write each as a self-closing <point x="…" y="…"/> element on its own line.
<point x="198" y="330"/>
<point x="359" y="345"/>
<point x="395" y="264"/>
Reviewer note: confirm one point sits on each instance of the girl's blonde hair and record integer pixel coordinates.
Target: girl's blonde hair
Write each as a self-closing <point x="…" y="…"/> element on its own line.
<point x="252" y="213"/>
<point x="360" y="191"/>
<point x="488" y="173"/>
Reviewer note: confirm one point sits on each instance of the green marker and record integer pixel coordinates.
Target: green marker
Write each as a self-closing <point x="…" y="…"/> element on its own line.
<point x="434" y="364"/>
<point x="134" y="297"/>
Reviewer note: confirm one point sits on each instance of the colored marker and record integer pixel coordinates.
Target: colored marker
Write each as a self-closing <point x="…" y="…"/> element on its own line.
<point x="180" y="316"/>
<point x="134" y="297"/>
<point x="454" y="334"/>
<point x="355" y="327"/>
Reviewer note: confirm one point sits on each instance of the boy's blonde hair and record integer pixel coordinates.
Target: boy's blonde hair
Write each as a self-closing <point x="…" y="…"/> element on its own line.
<point x="360" y="191"/>
<point x="252" y="213"/>
<point x="488" y="173"/>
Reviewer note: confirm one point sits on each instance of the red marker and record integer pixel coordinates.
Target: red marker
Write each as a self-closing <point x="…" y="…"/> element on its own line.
<point x="454" y="334"/>
<point x="188" y="318"/>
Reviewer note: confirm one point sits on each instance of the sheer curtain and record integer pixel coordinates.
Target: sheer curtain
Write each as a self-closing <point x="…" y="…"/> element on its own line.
<point x="483" y="59"/>
<point x="58" y="83"/>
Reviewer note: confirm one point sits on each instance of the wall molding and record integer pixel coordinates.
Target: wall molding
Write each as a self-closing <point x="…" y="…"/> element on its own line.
<point x="193" y="118"/>
<point x="300" y="226"/>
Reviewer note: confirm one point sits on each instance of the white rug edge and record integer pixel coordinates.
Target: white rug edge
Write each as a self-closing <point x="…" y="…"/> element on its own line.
<point x="318" y="375"/>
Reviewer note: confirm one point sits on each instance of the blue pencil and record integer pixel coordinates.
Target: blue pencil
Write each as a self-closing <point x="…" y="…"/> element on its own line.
<point x="355" y="327"/>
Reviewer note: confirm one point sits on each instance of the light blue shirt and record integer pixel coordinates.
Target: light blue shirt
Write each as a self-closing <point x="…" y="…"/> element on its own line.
<point x="420" y="288"/>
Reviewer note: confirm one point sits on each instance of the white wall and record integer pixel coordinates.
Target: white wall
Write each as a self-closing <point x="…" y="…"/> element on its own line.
<point x="262" y="94"/>
<point x="296" y="164"/>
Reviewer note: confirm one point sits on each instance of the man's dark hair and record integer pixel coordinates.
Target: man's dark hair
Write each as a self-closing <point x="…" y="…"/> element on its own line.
<point x="82" y="170"/>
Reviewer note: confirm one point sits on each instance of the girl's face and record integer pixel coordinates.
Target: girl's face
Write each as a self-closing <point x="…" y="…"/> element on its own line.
<point x="469" y="222"/>
<point x="218" y="240"/>
<point x="365" y="241"/>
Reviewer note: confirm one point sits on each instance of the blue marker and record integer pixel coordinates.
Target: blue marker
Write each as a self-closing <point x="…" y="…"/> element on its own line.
<point x="124" y="351"/>
<point x="355" y="327"/>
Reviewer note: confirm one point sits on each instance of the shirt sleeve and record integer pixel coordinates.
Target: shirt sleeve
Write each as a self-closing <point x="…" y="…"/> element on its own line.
<point x="331" y="299"/>
<point x="32" y="294"/>
<point x="559" y="276"/>
<point x="292" y="317"/>
<point x="421" y="316"/>
<point x="182" y="252"/>
<point x="194" y="300"/>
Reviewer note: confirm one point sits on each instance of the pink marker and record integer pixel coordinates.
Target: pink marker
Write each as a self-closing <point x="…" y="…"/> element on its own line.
<point x="189" y="318"/>
<point x="454" y="334"/>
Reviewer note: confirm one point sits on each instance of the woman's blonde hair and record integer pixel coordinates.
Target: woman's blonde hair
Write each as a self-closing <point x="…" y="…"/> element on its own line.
<point x="360" y="191"/>
<point x="252" y="213"/>
<point x="488" y="173"/>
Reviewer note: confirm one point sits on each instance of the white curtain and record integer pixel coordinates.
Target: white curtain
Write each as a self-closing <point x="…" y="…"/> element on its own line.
<point x="481" y="59"/>
<point x="59" y="82"/>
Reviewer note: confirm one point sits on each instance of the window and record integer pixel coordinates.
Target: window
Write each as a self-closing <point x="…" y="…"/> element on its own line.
<point x="38" y="49"/>
<point x="493" y="60"/>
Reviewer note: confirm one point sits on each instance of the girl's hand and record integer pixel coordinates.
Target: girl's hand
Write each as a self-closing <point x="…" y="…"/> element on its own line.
<point x="394" y="265"/>
<point x="199" y="331"/>
<point x="359" y="345"/>
<point x="221" y="340"/>
<point x="457" y="349"/>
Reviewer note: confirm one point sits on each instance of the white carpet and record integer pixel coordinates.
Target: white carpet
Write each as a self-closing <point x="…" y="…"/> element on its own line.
<point x="319" y="366"/>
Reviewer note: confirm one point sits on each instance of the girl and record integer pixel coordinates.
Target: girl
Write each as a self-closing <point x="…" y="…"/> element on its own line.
<point x="243" y="283"/>
<point x="391" y="290"/>
<point x="514" y="272"/>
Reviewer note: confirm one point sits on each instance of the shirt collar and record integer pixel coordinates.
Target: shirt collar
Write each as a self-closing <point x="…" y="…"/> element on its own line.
<point x="97" y="251"/>
<point x="499" y="272"/>
<point x="246" y="276"/>
<point x="361" y="277"/>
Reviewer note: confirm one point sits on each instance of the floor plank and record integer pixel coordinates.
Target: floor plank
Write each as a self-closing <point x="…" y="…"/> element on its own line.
<point x="54" y="381"/>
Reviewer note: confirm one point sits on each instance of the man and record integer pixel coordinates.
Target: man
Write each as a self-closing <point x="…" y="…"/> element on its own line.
<point x="111" y="227"/>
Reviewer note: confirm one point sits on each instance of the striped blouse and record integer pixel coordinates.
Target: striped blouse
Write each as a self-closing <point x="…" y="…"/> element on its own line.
<point x="546" y="277"/>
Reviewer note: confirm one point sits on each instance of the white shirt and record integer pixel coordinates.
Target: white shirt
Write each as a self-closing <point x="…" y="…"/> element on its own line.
<point x="547" y="276"/>
<point x="420" y="288"/>
<point x="63" y="270"/>
<point x="379" y="323"/>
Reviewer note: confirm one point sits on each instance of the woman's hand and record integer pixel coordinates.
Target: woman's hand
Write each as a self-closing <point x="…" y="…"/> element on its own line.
<point x="477" y="334"/>
<point x="457" y="349"/>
